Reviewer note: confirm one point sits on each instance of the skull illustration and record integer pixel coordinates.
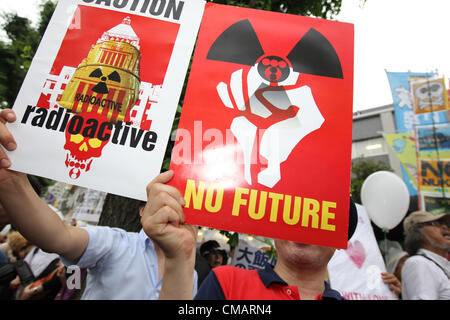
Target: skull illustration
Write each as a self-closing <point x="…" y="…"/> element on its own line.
<point x="430" y="93"/>
<point x="86" y="135"/>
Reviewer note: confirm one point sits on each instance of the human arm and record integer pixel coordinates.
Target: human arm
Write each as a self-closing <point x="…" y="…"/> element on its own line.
<point x="163" y="221"/>
<point x="30" y="214"/>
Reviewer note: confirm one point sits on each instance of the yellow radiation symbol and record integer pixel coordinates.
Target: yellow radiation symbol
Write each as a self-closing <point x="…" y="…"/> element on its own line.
<point x="107" y="81"/>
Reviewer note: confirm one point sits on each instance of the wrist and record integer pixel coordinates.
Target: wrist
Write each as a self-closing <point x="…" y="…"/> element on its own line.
<point x="183" y="261"/>
<point x="178" y="279"/>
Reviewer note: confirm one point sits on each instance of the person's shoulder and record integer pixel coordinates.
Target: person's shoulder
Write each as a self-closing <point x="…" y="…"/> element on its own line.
<point x="231" y="269"/>
<point x="416" y="263"/>
<point x="416" y="259"/>
<point x="109" y="230"/>
<point x="110" y="236"/>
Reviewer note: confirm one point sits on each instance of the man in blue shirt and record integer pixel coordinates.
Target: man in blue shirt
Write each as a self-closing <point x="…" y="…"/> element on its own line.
<point x="121" y="265"/>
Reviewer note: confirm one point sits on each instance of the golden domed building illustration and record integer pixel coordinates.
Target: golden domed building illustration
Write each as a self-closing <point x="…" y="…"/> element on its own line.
<point x="107" y="81"/>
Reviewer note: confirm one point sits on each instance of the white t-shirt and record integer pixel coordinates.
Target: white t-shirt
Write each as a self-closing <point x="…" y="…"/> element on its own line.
<point x="426" y="277"/>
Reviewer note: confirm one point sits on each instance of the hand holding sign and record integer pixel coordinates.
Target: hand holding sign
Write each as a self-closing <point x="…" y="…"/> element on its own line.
<point x="163" y="218"/>
<point x="163" y="221"/>
<point x="263" y="91"/>
<point x="7" y="141"/>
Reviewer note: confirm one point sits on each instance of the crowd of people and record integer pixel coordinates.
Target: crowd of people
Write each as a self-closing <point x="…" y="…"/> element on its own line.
<point x="162" y="260"/>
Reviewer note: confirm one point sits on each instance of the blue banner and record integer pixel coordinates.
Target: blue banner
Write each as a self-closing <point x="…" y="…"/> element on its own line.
<point x="405" y="118"/>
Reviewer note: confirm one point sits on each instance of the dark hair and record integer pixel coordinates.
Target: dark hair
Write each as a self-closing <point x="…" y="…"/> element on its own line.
<point x="211" y="246"/>
<point x="208" y="246"/>
<point x="414" y="239"/>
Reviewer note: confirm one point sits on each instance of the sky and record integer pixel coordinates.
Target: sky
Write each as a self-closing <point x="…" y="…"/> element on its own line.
<point x="390" y="35"/>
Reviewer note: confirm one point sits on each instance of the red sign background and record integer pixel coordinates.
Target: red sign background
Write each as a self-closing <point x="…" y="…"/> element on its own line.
<point x="310" y="202"/>
<point x="157" y="38"/>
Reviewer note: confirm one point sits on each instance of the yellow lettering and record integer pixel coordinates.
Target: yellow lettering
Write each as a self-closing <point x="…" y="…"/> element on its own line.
<point x="326" y="215"/>
<point x="295" y="210"/>
<point x="194" y="193"/>
<point x="209" y="198"/>
<point x="252" y="205"/>
<point x="238" y="201"/>
<point x="311" y="208"/>
<point x="276" y="197"/>
<point x="287" y="210"/>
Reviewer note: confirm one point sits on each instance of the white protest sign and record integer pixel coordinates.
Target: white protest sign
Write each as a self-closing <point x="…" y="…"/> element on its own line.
<point x="97" y="105"/>
<point x="250" y="257"/>
<point x="90" y="208"/>
<point x="356" y="271"/>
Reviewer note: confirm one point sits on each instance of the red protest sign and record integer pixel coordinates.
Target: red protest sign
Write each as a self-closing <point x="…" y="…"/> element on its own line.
<point x="264" y="141"/>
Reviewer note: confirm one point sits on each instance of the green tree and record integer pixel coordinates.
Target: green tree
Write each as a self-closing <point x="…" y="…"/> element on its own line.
<point x="326" y="9"/>
<point x="17" y="51"/>
<point x="361" y="169"/>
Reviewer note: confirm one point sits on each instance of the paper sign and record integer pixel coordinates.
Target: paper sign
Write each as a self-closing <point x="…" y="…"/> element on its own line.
<point x="90" y="207"/>
<point x="98" y="102"/>
<point x="249" y="257"/>
<point x="432" y="138"/>
<point x="434" y="202"/>
<point x="429" y="95"/>
<point x="264" y="141"/>
<point x="404" y="147"/>
<point x="356" y="271"/>
<point x="434" y="175"/>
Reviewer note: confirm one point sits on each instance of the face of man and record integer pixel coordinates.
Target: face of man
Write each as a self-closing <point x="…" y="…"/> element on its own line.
<point x="305" y="255"/>
<point x="215" y="259"/>
<point x="438" y="235"/>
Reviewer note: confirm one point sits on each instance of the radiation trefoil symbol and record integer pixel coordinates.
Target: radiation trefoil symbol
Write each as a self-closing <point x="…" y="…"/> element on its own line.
<point x="101" y="87"/>
<point x="267" y="95"/>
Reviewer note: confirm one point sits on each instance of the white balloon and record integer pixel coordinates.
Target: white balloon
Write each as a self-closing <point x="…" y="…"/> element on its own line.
<point x="386" y="199"/>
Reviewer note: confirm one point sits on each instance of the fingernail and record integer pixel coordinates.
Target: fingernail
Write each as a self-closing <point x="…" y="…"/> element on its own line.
<point x="10" y="117"/>
<point x="182" y="201"/>
<point x="11" y="146"/>
<point x="170" y="172"/>
<point x="4" y="163"/>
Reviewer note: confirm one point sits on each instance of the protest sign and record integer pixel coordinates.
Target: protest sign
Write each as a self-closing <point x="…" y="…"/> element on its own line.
<point x="434" y="202"/>
<point x="90" y="206"/>
<point x="404" y="146"/>
<point x="247" y="256"/>
<point x="264" y="141"/>
<point x="98" y="102"/>
<point x="405" y="118"/>
<point x="356" y="271"/>
<point x="433" y="158"/>
<point x="429" y="95"/>
<point x="435" y="175"/>
<point x="432" y="139"/>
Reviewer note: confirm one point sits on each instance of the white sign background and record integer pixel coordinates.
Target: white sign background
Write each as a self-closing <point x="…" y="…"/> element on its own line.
<point x="356" y="271"/>
<point x="121" y="171"/>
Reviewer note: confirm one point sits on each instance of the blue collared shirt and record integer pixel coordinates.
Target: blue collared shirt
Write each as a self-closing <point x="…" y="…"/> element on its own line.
<point x="121" y="266"/>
